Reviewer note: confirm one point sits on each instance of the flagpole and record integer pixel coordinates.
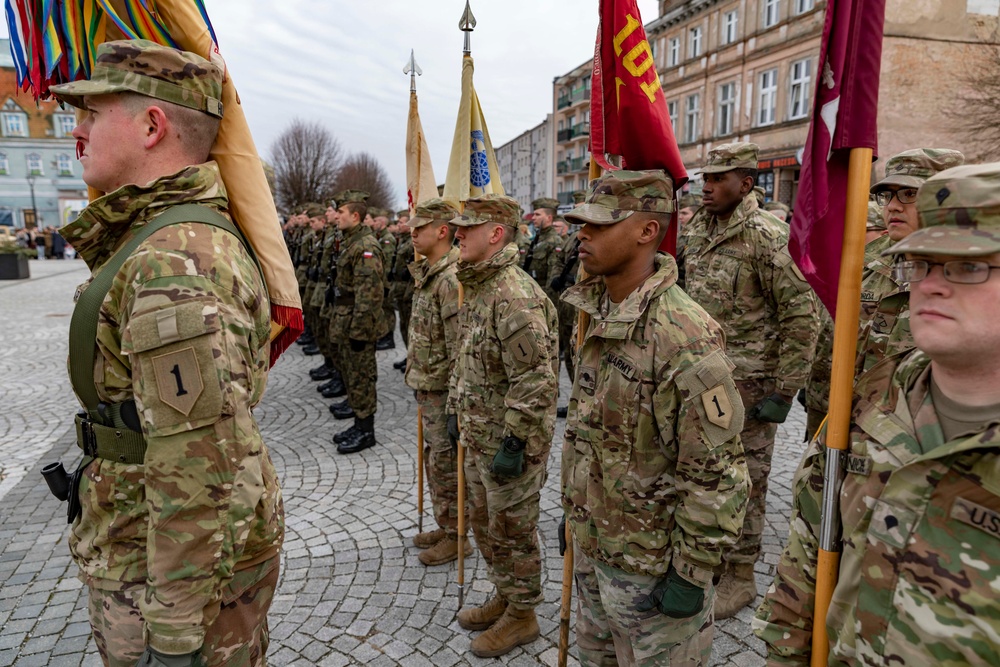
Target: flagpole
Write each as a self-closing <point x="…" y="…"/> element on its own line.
<point x="838" y="427"/>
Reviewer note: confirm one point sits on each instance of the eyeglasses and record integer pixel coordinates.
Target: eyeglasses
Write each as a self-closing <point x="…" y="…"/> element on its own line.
<point x="905" y="196"/>
<point x="960" y="271"/>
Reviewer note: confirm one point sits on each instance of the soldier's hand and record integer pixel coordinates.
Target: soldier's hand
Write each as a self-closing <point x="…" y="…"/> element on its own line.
<point x="453" y="432"/>
<point x="562" y="536"/>
<point x="509" y="460"/>
<point x="773" y="409"/>
<point x="151" y="658"/>
<point x="557" y="284"/>
<point x="674" y="596"/>
<point x="358" y="345"/>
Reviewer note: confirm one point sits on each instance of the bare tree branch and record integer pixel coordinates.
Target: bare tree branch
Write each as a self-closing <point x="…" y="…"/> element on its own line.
<point x="362" y="171"/>
<point x="306" y="160"/>
<point x="980" y="106"/>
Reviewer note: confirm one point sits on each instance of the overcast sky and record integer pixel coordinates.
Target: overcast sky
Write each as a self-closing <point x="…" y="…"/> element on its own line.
<point x="340" y="63"/>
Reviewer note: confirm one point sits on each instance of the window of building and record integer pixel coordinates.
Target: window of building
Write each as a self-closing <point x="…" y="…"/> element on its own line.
<point x="674" y="52"/>
<point x="582" y="185"/>
<point x="4" y="165"/>
<point x="561" y="126"/>
<point x="672" y="111"/>
<point x="571" y="121"/>
<point x="729" y="22"/>
<point x="694" y="42"/>
<point x="767" y="98"/>
<point x="798" y="99"/>
<point x="691" y="118"/>
<point x="803" y="6"/>
<point x="34" y="163"/>
<point x="14" y="124"/>
<point x="64" y="124"/>
<point x="770" y="17"/>
<point x="765" y="179"/>
<point x="560" y="190"/>
<point x="65" y="165"/>
<point x="727" y="108"/>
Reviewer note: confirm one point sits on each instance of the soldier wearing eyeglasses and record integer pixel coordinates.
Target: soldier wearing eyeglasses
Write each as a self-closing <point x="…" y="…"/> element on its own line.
<point x="885" y="315"/>
<point x="920" y="506"/>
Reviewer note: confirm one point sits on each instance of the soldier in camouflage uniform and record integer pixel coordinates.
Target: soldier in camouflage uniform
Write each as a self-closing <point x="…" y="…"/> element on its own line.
<point x="919" y="505"/>
<point x="539" y="259"/>
<point x="403" y="297"/>
<point x="355" y="323"/>
<point x="885" y="311"/>
<point x="431" y="351"/>
<point x="737" y="267"/>
<point x="387" y="244"/>
<point x="816" y="398"/>
<point x="310" y="311"/>
<point x="178" y="544"/>
<point x="320" y="311"/>
<point x="654" y="478"/>
<point x="565" y="267"/>
<point x="503" y="393"/>
<point x="778" y="210"/>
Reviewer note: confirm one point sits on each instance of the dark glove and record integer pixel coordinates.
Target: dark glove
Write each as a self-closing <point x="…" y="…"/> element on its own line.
<point x="558" y="284"/>
<point x="509" y="461"/>
<point x="151" y="658"/>
<point x="358" y="345"/>
<point x="562" y="536"/>
<point x="674" y="596"/>
<point x="773" y="409"/>
<point x="453" y="432"/>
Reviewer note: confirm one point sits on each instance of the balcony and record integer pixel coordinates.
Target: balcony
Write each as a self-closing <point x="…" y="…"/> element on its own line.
<point x="562" y="167"/>
<point x="563" y="136"/>
<point x="566" y="197"/>
<point x="563" y="102"/>
<point x="579" y="130"/>
<point x="578" y="164"/>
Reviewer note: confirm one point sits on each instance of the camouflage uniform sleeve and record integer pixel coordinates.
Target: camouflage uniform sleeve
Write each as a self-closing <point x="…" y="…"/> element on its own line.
<point x="448" y="303"/>
<point x="196" y="355"/>
<point x="527" y="354"/>
<point x="369" y="293"/>
<point x="696" y="401"/>
<point x="784" y="620"/>
<point x="798" y="320"/>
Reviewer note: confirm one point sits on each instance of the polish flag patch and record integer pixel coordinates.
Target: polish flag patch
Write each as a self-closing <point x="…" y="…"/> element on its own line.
<point x="368" y="254"/>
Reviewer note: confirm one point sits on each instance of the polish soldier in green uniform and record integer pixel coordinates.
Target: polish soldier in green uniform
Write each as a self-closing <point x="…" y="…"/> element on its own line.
<point x="655" y="482"/>
<point x="387" y="243"/>
<point x="503" y="393"/>
<point x="180" y="522"/>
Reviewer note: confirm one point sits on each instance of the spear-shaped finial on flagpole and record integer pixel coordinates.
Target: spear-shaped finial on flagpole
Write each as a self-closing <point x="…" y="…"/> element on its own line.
<point x="413" y="69"/>
<point x="467" y="24"/>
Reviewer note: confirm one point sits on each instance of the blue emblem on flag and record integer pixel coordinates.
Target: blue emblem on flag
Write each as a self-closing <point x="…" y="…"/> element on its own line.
<point x="479" y="166"/>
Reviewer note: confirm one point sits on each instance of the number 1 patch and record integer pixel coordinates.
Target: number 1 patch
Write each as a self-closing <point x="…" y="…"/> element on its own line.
<point x="718" y="408"/>
<point x="178" y="379"/>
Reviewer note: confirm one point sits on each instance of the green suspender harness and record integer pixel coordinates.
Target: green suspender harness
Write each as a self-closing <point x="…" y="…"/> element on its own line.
<point x="114" y="431"/>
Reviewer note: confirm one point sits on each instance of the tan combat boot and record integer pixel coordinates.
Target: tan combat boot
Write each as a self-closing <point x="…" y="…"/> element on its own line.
<point x="515" y="627"/>
<point x="444" y="551"/>
<point x="736" y="590"/>
<point x="480" y="618"/>
<point x="428" y="539"/>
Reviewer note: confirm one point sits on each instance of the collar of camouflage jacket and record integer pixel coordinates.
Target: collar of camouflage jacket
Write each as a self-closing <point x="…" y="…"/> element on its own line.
<point x="354" y="234"/>
<point x="102" y="225"/>
<point x="475" y="274"/>
<point x="423" y="272"/>
<point x="618" y="324"/>
<point x="737" y="221"/>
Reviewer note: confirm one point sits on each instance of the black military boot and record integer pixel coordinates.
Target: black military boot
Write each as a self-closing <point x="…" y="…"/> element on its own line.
<point x="400" y="365"/>
<point x="363" y="437"/>
<point x="323" y="372"/>
<point x="342" y="410"/>
<point x="305" y="339"/>
<point x="386" y="342"/>
<point x="334" y="388"/>
<point x="323" y="387"/>
<point x="310" y="350"/>
<point x="345" y="435"/>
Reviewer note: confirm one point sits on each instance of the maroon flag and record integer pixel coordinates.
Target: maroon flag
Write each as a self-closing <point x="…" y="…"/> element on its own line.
<point x="844" y="117"/>
<point x="628" y="110"/>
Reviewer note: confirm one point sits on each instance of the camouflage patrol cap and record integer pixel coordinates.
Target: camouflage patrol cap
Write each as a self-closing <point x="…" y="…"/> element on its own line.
<point x="689" y="201"/>
<point x="500" y="209"/>
<point x="545" y="202"/>
<point x="618" y="194"/>
<point x="144" y="67"/>
<point x="376" y="212"/>
<point x="352" y="197"/>
<point x="911" y="168"/>
<point x="579" y="196"/>
<point x="433" y="210"/>
<point x="400" y="214"/>
<point x="740" y="155"/>
<point x="959" y="213"/>
<point x="875" y="218"/>
<point x="776" y="206"/>
<point x="314" y="210"/>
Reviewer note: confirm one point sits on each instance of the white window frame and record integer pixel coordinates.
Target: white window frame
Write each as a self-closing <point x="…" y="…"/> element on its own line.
<point x="692" y="114"/>
<point x="694" y="41"/>
<point x="800" y="82"/>
<point x="64" y="124"/>
<point x="729" y="27"/>
<point x="771" y="13"/>
<point x="34" y="164"/>
<point x="767" y="98"/>
<point x="4" y="165"/>
<point x="674" y="52"/>
<point x="803" y="6"/>
<point x="727" y="109"/>
<point x="15" y="124"/>
<point x="672" y="112"/>
<point x="64" y="165"/>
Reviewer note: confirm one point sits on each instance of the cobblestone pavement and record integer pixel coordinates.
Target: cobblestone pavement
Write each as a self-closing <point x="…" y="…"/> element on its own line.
<point x="352" y="591"/>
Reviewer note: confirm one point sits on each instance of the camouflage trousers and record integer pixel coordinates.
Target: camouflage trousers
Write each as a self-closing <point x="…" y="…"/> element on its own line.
<point x="567" y="341"/>
<point x="405" y="306"/>
<point x="440" y="463"/>
<point x="360" y="375"/>
<point x="758" y="443"/>
<point x="237" y="637"/>
<point x="311" y="317"/>
<point x="610" y="632"/>
<point x="504" y="518"/>
<point x="388" y="319"/>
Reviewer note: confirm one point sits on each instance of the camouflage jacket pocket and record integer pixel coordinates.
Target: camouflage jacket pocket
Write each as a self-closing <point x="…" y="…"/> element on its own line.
<point x="176" y="378"/>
